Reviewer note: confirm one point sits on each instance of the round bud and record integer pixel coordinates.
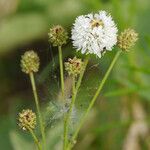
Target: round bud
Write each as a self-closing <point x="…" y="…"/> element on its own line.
<point x="74" y="66"/>
<point x="127" y="39"/>
<point x="27" y="120"/>
<point x="58" y="36"/>
<point x="30" y="62"/>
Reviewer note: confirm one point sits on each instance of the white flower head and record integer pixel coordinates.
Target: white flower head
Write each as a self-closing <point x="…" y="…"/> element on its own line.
<point x="94" y="33"/>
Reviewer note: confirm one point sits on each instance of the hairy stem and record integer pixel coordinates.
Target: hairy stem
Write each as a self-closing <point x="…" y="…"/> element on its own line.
<point x="75" y="90"/>
<point x="68" y="116"/>
<point x="93" y="99"/>
<point x="38" y="107"/>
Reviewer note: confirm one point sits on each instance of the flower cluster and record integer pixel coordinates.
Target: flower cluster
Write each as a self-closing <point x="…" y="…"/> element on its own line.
<point x="58" y="36"/>
<point x="30" y="62"/>
<point x="127" y="39"/>
<point x="91" y="34"/>
<point x="74" y="66"/>
<point x="94" y="33"/>
<point x="27" y="120"/>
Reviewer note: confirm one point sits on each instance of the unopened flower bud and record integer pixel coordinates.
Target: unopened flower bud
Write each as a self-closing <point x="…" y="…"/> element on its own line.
<point x="27" y="120"/>
<point x="74" y="66"/>
<point x="30" y="62"/>
<point x="58" y="36"/>
<point x="127" y="39"/>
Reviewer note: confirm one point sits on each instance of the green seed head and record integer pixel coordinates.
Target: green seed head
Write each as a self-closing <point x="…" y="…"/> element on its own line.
<point x="74" y="66"/>
<point x="127" y="39"/>
<point x="27" y="120"/>
<point x="30" y="62"/>
<point x="58" y="36"/>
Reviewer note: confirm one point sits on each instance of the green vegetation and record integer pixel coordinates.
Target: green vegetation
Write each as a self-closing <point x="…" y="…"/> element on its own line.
<point x="125" y="98"/>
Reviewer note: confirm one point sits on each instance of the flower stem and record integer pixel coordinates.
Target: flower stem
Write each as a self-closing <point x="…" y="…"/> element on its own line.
<point x="66" y="123"/>
<point x="81" y="75"/>
<point x="38" y="107"/>
<point x="61" y="70"/>
<point x="74" y="94"/>
<point x="94" y="99"/>
<point x="62" y="90"/>
<point x="35" y="139"/>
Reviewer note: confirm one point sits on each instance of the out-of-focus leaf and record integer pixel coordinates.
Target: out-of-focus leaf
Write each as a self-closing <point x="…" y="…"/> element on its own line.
<point x="139" y="69"/>
<point x="8" y="7"/>
<point x="119" y="92"/>
<point x="68" y="8"/>
<point x="111" y="125"/>
<point x="125" y="91"/>
<point x="19" y="143"/>
<point x="142" y="5"/>
<point x="54" y="137"/>
<point x="20" y="30"/>
<point x="5" y="126"/>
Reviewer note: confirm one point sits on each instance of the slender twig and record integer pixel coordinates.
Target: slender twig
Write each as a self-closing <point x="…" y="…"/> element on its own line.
<point x="68" y="116"/>
<point x="38" y="107"/>
<point x="61" y="70"/>
<point x="93" y="100"/>
<point x="35" y="139"/>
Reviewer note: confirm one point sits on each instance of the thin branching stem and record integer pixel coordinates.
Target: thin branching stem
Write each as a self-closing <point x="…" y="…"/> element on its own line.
<point x="93" y="100"/>
<point x="74" y="94"/>
<point x="38" y="108"/>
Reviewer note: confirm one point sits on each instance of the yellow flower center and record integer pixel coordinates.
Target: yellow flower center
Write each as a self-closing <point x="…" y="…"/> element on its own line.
<point x="96" y="23"/>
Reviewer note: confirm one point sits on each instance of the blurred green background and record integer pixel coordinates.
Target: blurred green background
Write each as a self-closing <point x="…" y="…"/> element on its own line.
<point x="120" y="119"/>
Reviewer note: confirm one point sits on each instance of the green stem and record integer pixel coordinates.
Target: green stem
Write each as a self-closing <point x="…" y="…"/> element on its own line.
<point x="75" y="90"/>
<point x="81" y="75"/>
<point x="94" y="99"/>
<point x="38" y="107"/>
<point x="62" y="89"/>
<point x="61" y="70"/>
<point x="66" y="123"/>
<point x="35" y="139"/>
